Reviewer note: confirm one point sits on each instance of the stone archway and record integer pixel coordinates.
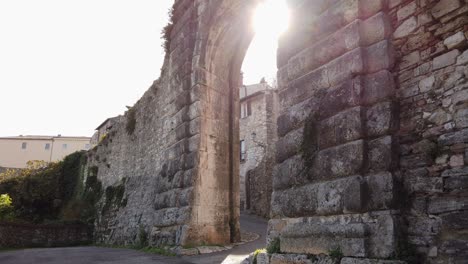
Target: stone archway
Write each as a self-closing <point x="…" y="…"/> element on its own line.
<point x="341" y="171"/>
<point x="223" y="37"/>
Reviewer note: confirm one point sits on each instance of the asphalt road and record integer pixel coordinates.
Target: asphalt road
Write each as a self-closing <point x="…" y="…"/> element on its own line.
<point x="98" y="255"/>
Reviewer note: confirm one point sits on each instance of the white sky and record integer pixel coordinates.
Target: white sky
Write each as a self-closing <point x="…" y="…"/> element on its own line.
<point x="66" y="66"/>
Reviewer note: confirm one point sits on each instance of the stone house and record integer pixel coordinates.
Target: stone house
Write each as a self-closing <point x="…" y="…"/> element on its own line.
<point x="258" y="113"/>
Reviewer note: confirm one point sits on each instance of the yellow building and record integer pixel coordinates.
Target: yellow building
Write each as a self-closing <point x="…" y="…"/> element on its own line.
<point x="15" y="152"/>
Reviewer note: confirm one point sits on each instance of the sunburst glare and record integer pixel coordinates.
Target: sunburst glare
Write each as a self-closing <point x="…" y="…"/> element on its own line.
<point x="271" y="19"/>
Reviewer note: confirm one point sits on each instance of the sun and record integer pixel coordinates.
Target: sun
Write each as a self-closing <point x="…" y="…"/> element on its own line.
<point x="271" y="18"/>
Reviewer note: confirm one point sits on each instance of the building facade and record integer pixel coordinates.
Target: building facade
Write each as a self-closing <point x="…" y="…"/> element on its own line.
<point x="258" y="106"/>
<point x="15" y="152"/>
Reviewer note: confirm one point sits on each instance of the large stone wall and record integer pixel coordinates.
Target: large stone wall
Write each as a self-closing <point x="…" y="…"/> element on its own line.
<point x="372" y="150"/>
<point x="15" y="235"/>
<point x="432" y="73"/>
<point x="334" y="186"/>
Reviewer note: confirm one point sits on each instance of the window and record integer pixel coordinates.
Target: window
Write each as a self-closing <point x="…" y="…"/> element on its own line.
<point x="87" y="146"/>
<point x="243" y="153"/>
<point x="246" y="109"/>
<point x="64" y="146"/>
<point x="24" y="145"/>
<point x="47" y="146"/>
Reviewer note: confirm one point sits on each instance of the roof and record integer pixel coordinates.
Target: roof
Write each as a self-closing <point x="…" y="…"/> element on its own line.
<point x="249" y="91"/>
<point x="34" y="137"/>
<point x="102" y="124"/>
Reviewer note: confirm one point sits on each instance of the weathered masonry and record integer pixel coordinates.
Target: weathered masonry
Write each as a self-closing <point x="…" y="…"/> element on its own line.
<point x="373" y="131"/>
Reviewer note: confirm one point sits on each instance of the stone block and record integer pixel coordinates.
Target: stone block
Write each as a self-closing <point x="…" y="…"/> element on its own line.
<point x="406" y="11"/>
<point x="340" y="161"/>
<point x="444" y="7"/>
<point x="426" y="84"/>
<point x="455" y="221"/>
<point x="455" y="249"/>
<point x="289" y="145"/>
<point x="172" y="216"/>
<point x="406" y="28"/>
<point x="289" y="173"/>
<point x="340" y="97"/>
<point x="380" y="155"/>
<point x="375" y="29"/>
<point x="368" y="8"/>
<point x="454" y="138"/>
<point x="410" y="60"/>
<point x="332" y="197"/>
<point x="377" y="87"/>
<point x="463" y="58"/>
<point x="423" y="225"/>
<point x="445" y="204"/>
<point x="290" y="259"/>
<point x="461" y="118"/>
<point x="456" y="40"/>
<point x="369" y="261"/>
<point x="380" y="119"/>
<point x="341" y="128"/>
<point x="320" y="238"/>
<point x="294" y="202"/>
<point x="263" y="258"/>
<point x="352" y="63"/>
<point x="324" y="51"/>
<point x="445" y="60"/>
<point x="344" y="195"/>
<point x="379" y="56"/>
<point x="381" y="191"/>
<point x="294" y="117"/>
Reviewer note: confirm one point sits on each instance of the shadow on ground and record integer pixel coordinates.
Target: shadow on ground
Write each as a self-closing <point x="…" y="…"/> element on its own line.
<point x="97" y="255"/>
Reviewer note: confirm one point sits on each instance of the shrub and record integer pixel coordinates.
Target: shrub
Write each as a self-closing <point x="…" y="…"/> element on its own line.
<point x="335" y="253"/>
<point x="131" y="121"/>
<point x="167" y="31"/>
<point x="42" y="190"/>
<point x="274" y="246"/>
<point x="142" y="237"/>
<point x="6" y="209"/>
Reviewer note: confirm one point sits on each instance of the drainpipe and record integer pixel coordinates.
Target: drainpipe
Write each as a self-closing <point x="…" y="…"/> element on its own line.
<point x="51" y="150"/>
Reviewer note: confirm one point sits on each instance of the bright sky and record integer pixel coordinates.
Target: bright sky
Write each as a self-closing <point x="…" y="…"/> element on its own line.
<point x="66" y="66"/>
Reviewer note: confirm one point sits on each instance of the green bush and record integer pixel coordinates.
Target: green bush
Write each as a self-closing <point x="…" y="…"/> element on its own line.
<point x="41" y="191"/>
<point x="142" y="238"/>
<point x="336" y="253"/>
<point x="274" y="246"/>
<point x="6" y="209"/>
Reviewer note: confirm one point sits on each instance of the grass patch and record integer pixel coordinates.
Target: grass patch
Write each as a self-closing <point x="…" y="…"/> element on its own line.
<point x="336" y="253"/>
<point x="158" y="251"/>
<point x="147" y="249"/>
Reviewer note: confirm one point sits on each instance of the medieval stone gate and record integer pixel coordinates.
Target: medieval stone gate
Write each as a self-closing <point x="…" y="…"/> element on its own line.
<point x="372" y="155"/>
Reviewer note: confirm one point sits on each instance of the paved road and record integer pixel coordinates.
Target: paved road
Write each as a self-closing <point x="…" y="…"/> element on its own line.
<point x="95" y="255"/>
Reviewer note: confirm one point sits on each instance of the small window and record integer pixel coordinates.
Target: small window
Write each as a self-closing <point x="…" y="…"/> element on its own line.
<point x="87" y="146"/>
<point x="24" y="145"/>
<point x="243" y="153"/>
<point x="246" y="109"/>
<point x="64" y="146"/>
<point x="47" y="146"/>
